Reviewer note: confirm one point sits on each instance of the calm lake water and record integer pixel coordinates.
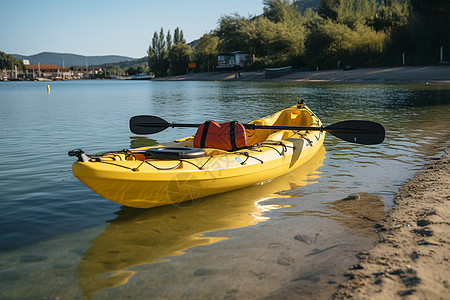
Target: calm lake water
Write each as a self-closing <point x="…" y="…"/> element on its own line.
<point x="60" y="239"/>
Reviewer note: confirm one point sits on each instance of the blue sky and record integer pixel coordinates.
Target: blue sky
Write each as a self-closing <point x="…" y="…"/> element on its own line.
<point x="100" y="27"/>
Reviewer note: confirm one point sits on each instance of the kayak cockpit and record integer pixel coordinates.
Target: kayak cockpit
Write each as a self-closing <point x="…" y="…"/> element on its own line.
<point x="288" y="117"/>
<point x="184" y="148"/>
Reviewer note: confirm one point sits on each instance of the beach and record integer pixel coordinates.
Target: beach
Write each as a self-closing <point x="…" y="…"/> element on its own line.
<point x="411" y="258"/>
<point x="417" y="75"/>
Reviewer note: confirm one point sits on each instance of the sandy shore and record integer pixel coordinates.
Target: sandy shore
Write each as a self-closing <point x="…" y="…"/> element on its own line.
<point x="411" y="258"/>
<point x="424" y="75"/>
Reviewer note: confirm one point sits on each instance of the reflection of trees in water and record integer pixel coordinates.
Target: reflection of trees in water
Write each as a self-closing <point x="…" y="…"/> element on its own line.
<point x="141" y="141"/>
<point x="424" y="97"/>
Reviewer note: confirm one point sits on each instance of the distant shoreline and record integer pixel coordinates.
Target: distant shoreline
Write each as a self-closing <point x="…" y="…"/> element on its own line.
<point x="395" y="75"/>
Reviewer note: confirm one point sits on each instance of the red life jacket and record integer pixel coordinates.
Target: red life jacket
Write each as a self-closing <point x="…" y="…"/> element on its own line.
<point x="225" y="136"/>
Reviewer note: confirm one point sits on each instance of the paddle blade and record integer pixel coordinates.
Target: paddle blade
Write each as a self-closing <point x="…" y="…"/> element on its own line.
<point x="148" y="124"/>
<point x="359" y="132"/>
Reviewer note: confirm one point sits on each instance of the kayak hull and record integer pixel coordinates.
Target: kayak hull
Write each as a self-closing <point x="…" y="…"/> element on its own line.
<point x="152" y="182"/>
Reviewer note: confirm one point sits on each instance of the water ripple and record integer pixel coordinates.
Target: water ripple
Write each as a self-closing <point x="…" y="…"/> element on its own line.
<point x="41" y="199"/>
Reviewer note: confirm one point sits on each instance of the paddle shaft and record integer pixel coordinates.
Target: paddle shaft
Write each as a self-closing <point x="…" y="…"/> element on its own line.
<point x="254" y="127"/>
<point x="354" y="131"/>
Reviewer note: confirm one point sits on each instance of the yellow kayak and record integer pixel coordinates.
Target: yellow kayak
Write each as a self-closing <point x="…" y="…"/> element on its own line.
<point x="135" y="178"/>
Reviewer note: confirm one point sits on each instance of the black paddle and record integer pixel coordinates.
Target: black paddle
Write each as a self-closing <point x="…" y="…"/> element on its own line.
<point x="359" y="132"/>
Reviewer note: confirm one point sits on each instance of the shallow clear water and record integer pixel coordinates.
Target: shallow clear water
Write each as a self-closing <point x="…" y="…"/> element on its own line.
<point x="42" y="204"/>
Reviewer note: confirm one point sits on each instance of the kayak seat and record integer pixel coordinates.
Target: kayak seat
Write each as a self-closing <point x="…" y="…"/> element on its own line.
<point x="296" y="117"/>
<point x="293" y="117"/>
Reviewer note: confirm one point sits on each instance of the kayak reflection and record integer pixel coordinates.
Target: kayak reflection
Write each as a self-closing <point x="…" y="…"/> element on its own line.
<point x="140" y="236"/>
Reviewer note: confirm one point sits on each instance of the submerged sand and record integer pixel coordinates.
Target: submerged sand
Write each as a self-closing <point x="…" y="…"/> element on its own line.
<point x="411" y="258"/>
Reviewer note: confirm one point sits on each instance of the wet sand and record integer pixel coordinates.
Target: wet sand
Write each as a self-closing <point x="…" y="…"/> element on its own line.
<point x="424" y="74"/>
<point x="411" y="258"/>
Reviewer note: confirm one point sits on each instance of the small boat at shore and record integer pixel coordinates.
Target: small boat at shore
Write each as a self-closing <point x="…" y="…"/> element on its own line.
<point x="193" y="167"/>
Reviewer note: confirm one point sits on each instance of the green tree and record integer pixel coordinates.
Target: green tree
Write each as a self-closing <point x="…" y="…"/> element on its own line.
<point x="353" y="12"/>
<point x="205" y="52"/>
<point x="310" y="17"/>
<point x="280" y="11"/>
<point x="429" y="30"/>
<point x="356" y="32"/>
<point x="167" y="56"/>
<point x="158" y="55"/>
<point x="141" y="69"/>
<point x="277" y="38"/>
<point x="331" y="44"/>
<point x="114" y="70"/>
<point x="233" y="34"/>
<point x="303" y="5"/>
<point x="327" y="9"/>
<point x="391" y="15"/>
<point x="132" y="71"/>
<point x="178" y="36"/>
<point x="7" y="61"/>
<point x="179" y="56"/>
<point x="169" y="40"/>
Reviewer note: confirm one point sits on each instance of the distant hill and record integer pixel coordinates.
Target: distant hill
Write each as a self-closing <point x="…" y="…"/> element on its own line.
<point x="72" y="59"/>
<point x="136" y="62"/>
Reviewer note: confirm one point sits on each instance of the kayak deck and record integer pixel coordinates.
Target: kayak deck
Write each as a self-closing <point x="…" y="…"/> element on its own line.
<point x="132" y="179"/>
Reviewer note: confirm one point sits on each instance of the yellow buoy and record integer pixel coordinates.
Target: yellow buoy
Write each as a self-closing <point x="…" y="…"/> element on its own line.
<point x="48" y="88"/>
